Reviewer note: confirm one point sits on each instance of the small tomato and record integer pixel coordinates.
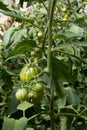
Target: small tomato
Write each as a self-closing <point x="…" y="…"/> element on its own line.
<point x="21" y="94"/>
<point x="40" y="34"/>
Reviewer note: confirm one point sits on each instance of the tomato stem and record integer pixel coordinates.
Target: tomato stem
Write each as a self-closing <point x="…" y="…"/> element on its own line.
<point x="49" y="61"/>
<point x="24" y="113"/>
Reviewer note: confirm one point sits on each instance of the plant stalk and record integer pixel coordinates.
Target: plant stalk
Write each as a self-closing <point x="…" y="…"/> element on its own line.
<point x="49" y="62"/>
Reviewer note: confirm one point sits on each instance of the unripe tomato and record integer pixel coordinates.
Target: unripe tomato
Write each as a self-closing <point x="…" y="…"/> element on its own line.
<point x="64" y="10"/>
<point x="33" y="97"/>
<point x="21" y="94"/>
<point x="66" y="17"/>
<point x="28" y="73"/>
<point x="40" y="34"/>
<point x="38" y="87"/>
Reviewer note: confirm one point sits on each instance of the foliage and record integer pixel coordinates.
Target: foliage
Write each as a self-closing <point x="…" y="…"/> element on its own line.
<point x="52" y="37"/>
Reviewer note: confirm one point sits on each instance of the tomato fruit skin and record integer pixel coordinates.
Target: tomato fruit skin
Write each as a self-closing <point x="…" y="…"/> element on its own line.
<point x="64" y="10"/>
<point x="38" y="87"/>
<point x="36" y="93"/>
<point x="21" y="94"/>
<point x="28" y="73"/>
<point x="66" y="17"/>
<point x="40" y="34"/>
<point x="34" y="97"/>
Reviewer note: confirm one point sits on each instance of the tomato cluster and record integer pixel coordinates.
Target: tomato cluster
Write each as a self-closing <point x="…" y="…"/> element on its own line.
<point x="34" y="93"/>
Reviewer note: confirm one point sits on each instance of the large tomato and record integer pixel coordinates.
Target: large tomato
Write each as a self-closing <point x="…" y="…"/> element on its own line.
<point x="21" y="94"/>
<point x="28" y="73"/>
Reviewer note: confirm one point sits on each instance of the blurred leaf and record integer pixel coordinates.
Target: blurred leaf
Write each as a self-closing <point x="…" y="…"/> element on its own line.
<point x="12" y="103"/>
<point x="8" y="34"/>
<point x="72" y="32"/>
<point x="18" y="34"/>
<point x="21" y="123"/>
<point x="72" y="96"/>
<point x="24" y="106"/>
<point x="81" y="21"/>
<point x="62" y="71"/>
<point x="66" y="120"/>
<point x="22" y="47"/>
<point x="82" y="126"/>
<point x="3" y="6"/>
<point x="8" y="124"/>
<point x="6" y="78"/>
<point x="57" y="82"/>
<point x="6" y="2"/>
<point x="29" y="128"/>
<point x="13" y="35"/>
<point x="15" y="14"/>
<point x="69" y="110"/>
<point x="12" y="124"/>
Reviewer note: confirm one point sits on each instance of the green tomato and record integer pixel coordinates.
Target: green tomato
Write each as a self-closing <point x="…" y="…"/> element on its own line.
<point x="21" y="94"/>
<point x="28" y="73"/>
<point x="40" y="34"/>
<point x="38" y="87"/>
<point x="34" y="97"/>
<point x="64" y="10"/>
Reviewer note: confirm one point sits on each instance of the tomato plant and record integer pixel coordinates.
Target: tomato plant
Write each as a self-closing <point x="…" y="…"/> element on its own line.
<point x="43" y="48"/>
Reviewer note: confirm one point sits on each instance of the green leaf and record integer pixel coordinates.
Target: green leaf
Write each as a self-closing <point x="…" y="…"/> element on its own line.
<point x="72" y="96"/>
<point x="29" y="128"/>
<point x="6" y="2"/>
<point x="17" y="35"/>
<point x="22" y="47"/>
<point x="74" y="31"/>
<point x="15" y="15"/>
<point x="62" y="71"/>
<point x="24" y="106"/>
<point x="7" y="36"/>
<point x="68" y="114"/>
<point x="3" y="6"/>
<point x="12" y="103"/>
<point x="82" y="126"/>
<point x="21" y="123"/>
<point x="8" y="124"/>
<point x="69" y="110"/>
<point x="58" y="77"/>
<point x="12" y="124"/>
<point x="63" y="123"/>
